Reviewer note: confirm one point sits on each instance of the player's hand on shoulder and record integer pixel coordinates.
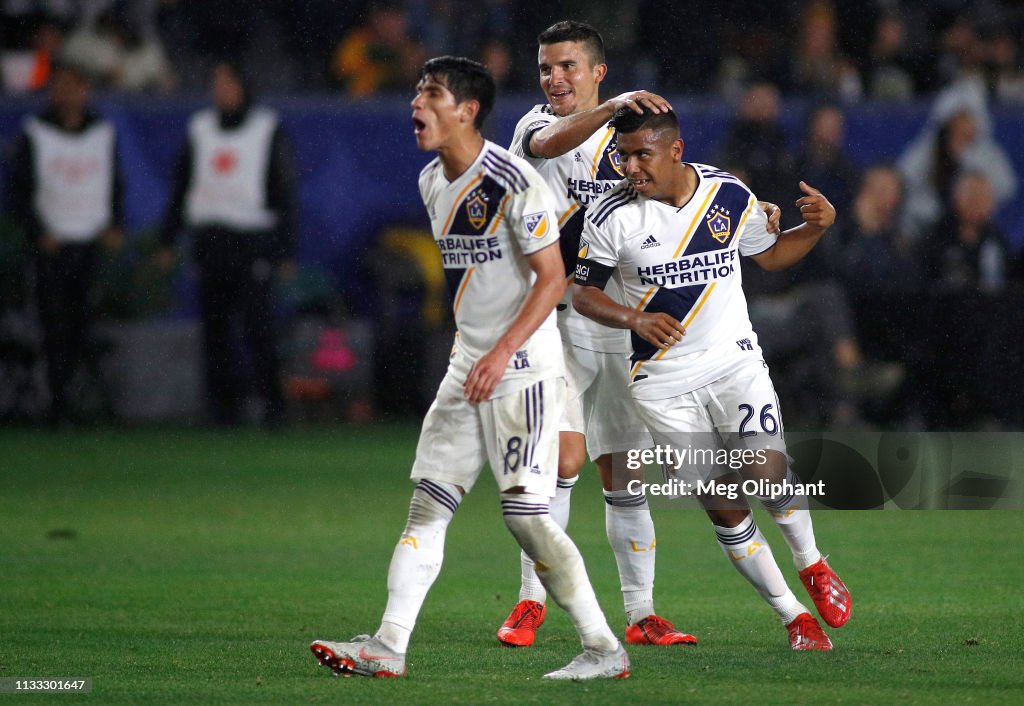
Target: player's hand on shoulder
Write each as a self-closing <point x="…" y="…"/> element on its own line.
<point x="815" y="208"/>
<point x="658" y="329"/>
<point x="638" y="99"/>
<point x="774" y="214"/>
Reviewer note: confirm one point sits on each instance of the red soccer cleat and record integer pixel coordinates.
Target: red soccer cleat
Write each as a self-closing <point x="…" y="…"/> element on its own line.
<point x="655" y="630"/>
<point x="828" y="592"/>
<point x="806" y="634"/>
<point x="520" y="628"/>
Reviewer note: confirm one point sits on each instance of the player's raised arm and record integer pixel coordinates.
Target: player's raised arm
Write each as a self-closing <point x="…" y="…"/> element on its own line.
<point x="818" y="214"/>
<point x="573" y="130"/>
<point x="544" y="295"/>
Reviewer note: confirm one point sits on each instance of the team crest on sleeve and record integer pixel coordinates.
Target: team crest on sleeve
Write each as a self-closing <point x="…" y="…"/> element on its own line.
<point x="536" y="224"/>
<point x="719" y="223"/>
<point x="476" y="210"/>
<point x="584" y="248"/>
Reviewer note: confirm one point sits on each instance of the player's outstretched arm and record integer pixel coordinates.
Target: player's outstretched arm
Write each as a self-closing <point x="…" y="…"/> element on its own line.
<point x="547" y="290"/>
<point x="573" y="130"/>
<point x="818" y="214"/>
<point x="658" y="329"/>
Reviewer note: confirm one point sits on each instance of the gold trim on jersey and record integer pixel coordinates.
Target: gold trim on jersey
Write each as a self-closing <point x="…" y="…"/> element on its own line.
<point x="693" y="225"/>
<point x="686" y="324"/>
<point x="458" y="201"/>
<point x="600" y="152"/>
<point x="501" y="214"/>
<point x="462" y="288"/>
<point x="568" y="213"/>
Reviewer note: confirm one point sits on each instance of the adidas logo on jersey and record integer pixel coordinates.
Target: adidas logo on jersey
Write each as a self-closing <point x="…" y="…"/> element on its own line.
<point x="651" y="242"/>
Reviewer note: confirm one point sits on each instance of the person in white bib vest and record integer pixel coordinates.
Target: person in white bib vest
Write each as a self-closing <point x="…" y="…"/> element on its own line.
<point x="66" y="192"/>
<point x="234" y="192"/>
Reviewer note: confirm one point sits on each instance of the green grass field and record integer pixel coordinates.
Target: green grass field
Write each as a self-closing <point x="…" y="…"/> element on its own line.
<point x="190" y="567"/>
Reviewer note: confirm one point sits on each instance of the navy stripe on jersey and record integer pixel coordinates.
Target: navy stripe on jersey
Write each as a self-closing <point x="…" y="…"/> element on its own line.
<point x="569" y="239"/>
<point x="607" y="166"/>
<point x="442" y="496"/>
<point x="453" y="276"/>
<point x="605" y="209"/>
<point x="478" y="209"/>
<point x="507" y="169"/>
<point x="677" y="303"/>
<point x="741" y="538"/>
<point x="725" y="211"/>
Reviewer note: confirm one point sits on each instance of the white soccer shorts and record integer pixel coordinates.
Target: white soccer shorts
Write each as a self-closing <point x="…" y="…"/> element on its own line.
<point x="517" y="433"/>
<point x="738" y="413"/>
<point x="598" y="403"/>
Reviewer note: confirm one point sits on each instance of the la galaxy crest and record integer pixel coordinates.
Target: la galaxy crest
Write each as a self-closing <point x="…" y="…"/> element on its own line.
<point x="719" y="223"/>
<point x="476" y="210"/>
<point x="616" y="161"/>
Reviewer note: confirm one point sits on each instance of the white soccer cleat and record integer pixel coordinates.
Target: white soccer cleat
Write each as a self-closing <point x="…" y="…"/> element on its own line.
<point x="594" y="664"/>
<point x="364" y="656"/>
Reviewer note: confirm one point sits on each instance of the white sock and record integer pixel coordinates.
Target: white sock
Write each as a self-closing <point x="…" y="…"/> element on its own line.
<point x="559" y="566"/>
<point x="627" y="521"/>
<point x="416" y="561"/>
<point x="530" y="587"/>
<point x="749" y="552"/>
<point x="793" y="518"/>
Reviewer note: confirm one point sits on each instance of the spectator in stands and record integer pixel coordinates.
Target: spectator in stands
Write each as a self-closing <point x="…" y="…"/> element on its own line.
<point x="234" y="190"/>
<point x="965" y="269"/>
<point x="821" y="160"/>
<point x="887" y="70"/>
<point x="957" y="138"/>
<point x="818" y="67"/>
<point x="118" y="54"/>
<point x="757" y="144"/>
<point x="880" y="270"/>
<point x="30" y="45"/>
<point x="379" y="55"/>
<point x="1006" y="74"/>
<point x="66" y="192"/>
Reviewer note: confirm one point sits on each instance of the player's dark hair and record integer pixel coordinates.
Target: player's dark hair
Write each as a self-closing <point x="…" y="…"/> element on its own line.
<point x="627" y="120"/>
<point x="573" y="31"/>
<point x="466" y="79"/>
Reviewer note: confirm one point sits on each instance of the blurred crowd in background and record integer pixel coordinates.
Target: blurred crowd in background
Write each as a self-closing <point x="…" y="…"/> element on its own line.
<point x="908" y="314"/>
<point x="889" y="50"/>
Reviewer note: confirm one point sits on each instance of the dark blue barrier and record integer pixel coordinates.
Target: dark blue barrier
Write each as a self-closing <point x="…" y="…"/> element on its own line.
<point x="358" y="163"/>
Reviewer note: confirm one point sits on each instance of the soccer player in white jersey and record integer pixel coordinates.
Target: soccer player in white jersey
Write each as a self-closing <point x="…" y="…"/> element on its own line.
<point x="569" y="142"/>
<point x="672" y="234"/>
<point x="504" y="391"/>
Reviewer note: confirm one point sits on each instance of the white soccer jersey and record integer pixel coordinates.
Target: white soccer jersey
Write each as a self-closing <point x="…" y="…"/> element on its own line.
<point x="577" y="178"/>
<point x="684" y="262"/>
<point x="485" y="223"/>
